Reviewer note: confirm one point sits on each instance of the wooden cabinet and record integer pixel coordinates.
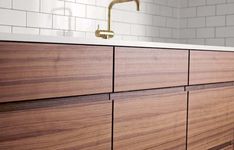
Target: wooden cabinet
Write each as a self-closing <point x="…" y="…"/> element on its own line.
<point x="211" y="67"/>
<point x="144" y="68"/>
<point x="156" y="122"/>
<point x="35" y="71"/>
<point x="72" y="123"/>
<point x="211" y="118"/>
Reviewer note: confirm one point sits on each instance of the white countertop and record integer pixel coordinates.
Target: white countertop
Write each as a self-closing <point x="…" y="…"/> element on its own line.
<point x="72" y="40"/>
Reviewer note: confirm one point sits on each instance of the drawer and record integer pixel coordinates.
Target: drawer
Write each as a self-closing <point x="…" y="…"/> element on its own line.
<point x="211" y="118"/>
<point x="150" y="122"/>
<point x="141" y="68"/>
<point x="211" y="67"/>
<point x="72" y="123"/>
<point x="35" y="71"/>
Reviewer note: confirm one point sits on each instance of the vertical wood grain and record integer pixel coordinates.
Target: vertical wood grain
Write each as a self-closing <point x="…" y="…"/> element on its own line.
<point x="154" y="122"/>
<point x="79" y="126"/>
<point x="145" y="68"/>
<point x="33" y="70"/>
<point x="211" y="67"/>
<point x="211" y="118"/>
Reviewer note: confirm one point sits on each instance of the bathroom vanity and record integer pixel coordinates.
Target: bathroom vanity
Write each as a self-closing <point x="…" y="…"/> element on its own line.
<point x="67" y="93"/>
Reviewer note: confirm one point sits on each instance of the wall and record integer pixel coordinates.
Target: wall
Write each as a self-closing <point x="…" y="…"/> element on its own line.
<point x="157" y="20"/>
<point x="208" y="22"/>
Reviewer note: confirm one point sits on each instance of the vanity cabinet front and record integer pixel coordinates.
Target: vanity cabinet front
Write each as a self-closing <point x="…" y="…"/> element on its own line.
<point x="58" y="124"/>
<point x="211" y="119"/>
<point x="156" y="122"/>
<point x="145" y="68"/>
<point x="211" y="67"/>
<point x="36" y="70"/>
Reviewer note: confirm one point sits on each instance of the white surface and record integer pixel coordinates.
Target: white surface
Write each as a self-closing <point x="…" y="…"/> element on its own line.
<point x="156" y="20"/>
<point x="65" y="40"/>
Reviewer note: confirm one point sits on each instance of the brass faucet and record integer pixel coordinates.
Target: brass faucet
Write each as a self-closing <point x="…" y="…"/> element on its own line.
<point x="107" y="34"/>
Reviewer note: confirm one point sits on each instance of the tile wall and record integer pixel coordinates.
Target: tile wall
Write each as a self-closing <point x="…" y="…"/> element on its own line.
<point x="157" y="20"/>
<point x="208" y="22"/>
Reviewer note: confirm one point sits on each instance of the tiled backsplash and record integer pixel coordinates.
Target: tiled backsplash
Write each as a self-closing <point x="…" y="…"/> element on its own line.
<point x="208" y="22"/>
<point x="157" y="20"/>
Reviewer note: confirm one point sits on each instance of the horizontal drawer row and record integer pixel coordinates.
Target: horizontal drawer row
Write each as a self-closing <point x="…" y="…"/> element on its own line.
<point x="36" y="71"/>
<point x="160" y="119"/>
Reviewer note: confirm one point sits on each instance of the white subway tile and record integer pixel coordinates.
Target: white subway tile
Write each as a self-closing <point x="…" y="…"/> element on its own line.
<point x="210" y="2"/>
<point x="24" y="30"/>
<point x="159" y="21"/>
<point x="121" y="28"/>
<point x="75" y="9"/>
<point x="225" y="32"/>
<point x="165" y="32"/>
<point x="12" y="17"/>
<point x="39" y="20"/>
<point x="63" y="22"/>
<point x="138" y="30"/>
<point x="92" y="2"/>
<point x="215" y="42"/>
<point x="172" y="22"/>
<point x="196" y="22"/>
<point x="5" y="29"/>
<point x="187" y="33"/>
<point x="29" y="5"/>
<point x="230" y="42"/>
<point x="206" y="11"/>
<point x="96" y="12"/>
<point x="85" y="25"/>
<point x="52" y="6"/>
<point x="225" y="9"/>
<point x="197" y="2"/>
<point x="230" y="20"/>
<point x="5" y="3"/>
<point x="205" y="33"/>
<point x="152" y="31"/>
<point x="196" y="41"/>
<point x="215" y="21"/>
<point x="188" y="12"/>
<point x="50" y="32"/>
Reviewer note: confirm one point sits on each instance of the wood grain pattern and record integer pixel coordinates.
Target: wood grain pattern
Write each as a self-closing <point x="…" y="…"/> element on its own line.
<point x="141" y="68"/>
<point x="155" y="122"/>
<point x="80" y="126"/>
<point x="228" y="148"/>
<point x="211" y="67"/>
<point x="225" y="146"/>
<point x="211" y="118"/>
<point x="34" y="71"/>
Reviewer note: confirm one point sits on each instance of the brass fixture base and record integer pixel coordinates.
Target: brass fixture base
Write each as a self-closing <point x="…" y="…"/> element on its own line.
<point x="105" y="34"/>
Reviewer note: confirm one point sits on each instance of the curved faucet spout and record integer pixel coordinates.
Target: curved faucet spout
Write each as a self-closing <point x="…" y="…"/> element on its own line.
<point x="123" y="1"/>
<point x="117" y="2"/>
<point x="107" y="34"/>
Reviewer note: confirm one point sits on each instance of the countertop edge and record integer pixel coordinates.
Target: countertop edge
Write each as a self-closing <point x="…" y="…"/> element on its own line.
<point x="80" y="41"/>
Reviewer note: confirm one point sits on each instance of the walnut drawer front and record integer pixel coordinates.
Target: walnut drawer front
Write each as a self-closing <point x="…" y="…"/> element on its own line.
<point x="156" y="122"/>
<point x="58" y="125"/>
<point x="35" y="71"/>
<point x="139" y="68"/>
<point x="211" y="67"/>
<point x="210" y="118"/>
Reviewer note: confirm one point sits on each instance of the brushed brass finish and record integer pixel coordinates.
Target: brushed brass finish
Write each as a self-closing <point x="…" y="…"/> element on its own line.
<point x="107" y="34"/>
